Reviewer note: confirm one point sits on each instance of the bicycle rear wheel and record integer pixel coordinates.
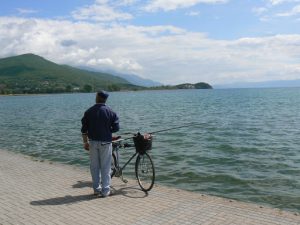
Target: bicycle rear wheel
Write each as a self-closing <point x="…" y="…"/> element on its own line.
<point x="113" y="165"/>
<point x="144" y="171"/>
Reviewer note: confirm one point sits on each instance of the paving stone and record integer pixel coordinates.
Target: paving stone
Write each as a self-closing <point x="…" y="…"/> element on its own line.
<point x="34" y="192"/>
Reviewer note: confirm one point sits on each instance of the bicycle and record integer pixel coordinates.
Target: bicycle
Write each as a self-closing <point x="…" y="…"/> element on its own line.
<point x="144" y="167"/>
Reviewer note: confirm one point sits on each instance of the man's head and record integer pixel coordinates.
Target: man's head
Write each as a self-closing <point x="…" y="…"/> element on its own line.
<point x="101" y="96"/>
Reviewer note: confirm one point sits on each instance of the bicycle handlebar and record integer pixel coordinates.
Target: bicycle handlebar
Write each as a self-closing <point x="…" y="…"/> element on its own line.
<point x="117" y="141"/>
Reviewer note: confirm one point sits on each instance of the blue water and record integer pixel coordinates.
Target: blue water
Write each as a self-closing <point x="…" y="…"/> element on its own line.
<point x="245" y="143"/>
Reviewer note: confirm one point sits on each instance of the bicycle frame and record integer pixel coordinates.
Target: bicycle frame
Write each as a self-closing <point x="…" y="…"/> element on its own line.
<point x="118" y="169"/>
<point x="117" y="156"/>
<point x="144" y="168"/>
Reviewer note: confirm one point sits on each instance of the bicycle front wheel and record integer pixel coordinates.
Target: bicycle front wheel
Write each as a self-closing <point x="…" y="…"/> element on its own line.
<point x="144" y="171"/>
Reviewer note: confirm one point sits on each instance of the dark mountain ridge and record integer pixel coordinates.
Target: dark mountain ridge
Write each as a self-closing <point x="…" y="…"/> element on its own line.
<point x="30" y="73"/>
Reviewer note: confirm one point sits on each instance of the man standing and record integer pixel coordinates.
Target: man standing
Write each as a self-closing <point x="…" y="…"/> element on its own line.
<point x="98" y="124"/>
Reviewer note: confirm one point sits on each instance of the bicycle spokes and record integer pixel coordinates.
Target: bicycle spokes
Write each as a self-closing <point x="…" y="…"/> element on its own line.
<point x="145" y="173"/>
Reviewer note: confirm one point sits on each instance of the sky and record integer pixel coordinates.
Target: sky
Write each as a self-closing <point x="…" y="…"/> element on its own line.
<point x="169" y="41"/>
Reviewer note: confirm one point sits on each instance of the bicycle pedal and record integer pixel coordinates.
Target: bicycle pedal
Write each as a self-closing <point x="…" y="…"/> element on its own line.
<point x="118" y="173"/>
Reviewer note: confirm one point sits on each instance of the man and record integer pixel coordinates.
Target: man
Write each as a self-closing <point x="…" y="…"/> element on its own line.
<point x="98" y="124"/>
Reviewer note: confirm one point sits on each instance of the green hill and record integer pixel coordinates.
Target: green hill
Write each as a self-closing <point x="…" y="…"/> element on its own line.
<point x="30" y="73"/>
<point x="200" y="85"/>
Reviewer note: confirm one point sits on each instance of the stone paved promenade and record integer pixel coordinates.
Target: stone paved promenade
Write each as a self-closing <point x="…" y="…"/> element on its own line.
<point x="33" y="192"/>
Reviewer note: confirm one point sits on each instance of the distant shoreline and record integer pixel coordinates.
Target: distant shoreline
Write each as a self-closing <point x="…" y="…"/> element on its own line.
<point x="150" y="89"/>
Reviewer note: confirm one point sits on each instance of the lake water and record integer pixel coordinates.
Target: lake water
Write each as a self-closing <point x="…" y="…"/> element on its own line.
<point x="245" y="143"/>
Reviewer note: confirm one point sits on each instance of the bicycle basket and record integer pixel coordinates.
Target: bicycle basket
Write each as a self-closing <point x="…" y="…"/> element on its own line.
<point x="142" y="143"/>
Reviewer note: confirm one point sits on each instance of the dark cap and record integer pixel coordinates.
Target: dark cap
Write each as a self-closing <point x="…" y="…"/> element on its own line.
<point x="103" y="94"/>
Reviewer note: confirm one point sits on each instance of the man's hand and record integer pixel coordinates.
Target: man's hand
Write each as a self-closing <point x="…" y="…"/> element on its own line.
<point x="86" y="146"/>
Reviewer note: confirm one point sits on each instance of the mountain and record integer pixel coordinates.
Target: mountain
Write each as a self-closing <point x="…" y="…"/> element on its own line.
<point x="265" y="84"/>
<point x="30" y="73"/>
<point x="132" y="78"/>
<point x="137" y="80"/>
<point x="200" y="85"/>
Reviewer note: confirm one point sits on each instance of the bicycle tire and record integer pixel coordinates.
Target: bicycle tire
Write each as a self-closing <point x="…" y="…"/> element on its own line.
<point x="144" y="171"/>
<point x="113" y="165"/>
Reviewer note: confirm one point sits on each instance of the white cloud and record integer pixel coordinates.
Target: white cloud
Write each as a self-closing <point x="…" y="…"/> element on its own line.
<point x="259" y="10"/>
<point x="274" y="9"/>
<point x="26" y="11"/>
<point x="167" y="54"/>
<point x="100" y="11"/>
<point x="294" y="11"/>
<point x="101" y="1"/>
<point x="102" y="62"/>
<point x="127" y="2"/>
<point x="193" y="13"/>
<point x="168" y="5"/>
<point x="278" y="2"/>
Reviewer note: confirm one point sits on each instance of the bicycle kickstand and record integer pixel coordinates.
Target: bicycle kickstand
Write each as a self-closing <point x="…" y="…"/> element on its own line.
<point x="119" y="173"/>
<point x="123" y="179"/>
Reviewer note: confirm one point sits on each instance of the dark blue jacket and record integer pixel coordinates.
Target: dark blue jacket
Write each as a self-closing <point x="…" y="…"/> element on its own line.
<point x="99" y="122"/>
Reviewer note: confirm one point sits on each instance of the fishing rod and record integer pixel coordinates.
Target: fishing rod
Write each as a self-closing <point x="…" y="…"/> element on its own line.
<point x="172" y="128"/>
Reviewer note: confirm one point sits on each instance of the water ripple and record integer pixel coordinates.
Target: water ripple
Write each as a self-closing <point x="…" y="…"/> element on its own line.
<point x="244" y="145"/>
